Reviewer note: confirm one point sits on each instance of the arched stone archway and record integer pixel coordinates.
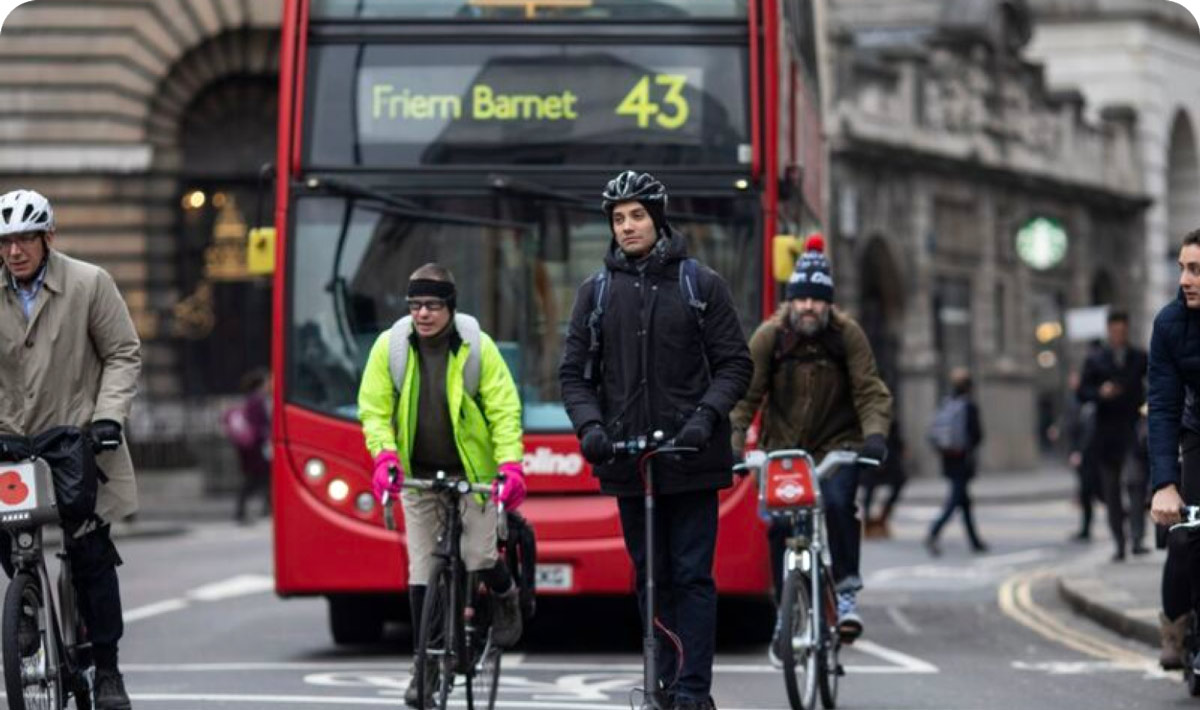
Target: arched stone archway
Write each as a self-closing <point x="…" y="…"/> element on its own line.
<point x="212" y="125"/>
<point x="1183" y="181"/>
<point x="881" y="306"/>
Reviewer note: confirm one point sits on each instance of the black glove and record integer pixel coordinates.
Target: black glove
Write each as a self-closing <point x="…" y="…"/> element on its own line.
<point x="597" y="447"/>
<point x="875" y="448"/>
<point x="106" y="435"/>
<point x="698" y="429"/>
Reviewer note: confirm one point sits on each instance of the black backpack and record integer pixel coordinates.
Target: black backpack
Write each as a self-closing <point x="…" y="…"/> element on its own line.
<point x="689" y="286"/>
<point x="520" y="553"/>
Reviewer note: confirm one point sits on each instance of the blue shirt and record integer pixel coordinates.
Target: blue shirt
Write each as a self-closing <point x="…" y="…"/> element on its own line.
<point x="29" y="296"/>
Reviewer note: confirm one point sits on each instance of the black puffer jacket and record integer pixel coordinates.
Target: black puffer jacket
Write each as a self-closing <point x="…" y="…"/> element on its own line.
<point x="657" y="367"/>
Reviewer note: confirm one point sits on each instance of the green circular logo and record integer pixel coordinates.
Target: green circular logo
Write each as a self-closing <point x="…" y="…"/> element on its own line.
<point x="1042" y="243"/>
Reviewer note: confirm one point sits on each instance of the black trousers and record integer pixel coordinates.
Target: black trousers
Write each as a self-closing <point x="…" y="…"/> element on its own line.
<point x="1089" y="491"/>
<point x="685" y="540"/>
<point x="1181" y="573"/>
<point x="94" y="560"/>
<point x="1120" y="477"/>
<point x="958" y="471"/>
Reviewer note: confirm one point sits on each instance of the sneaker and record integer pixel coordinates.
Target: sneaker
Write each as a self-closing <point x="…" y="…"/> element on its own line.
<point x="410" y="693"/>
<point x="850" y="624"/>
<point x="110" y="691"/>
<point x="931" y="545"/>
<point x="506" y="618"/>
<point x="693" y="704"/>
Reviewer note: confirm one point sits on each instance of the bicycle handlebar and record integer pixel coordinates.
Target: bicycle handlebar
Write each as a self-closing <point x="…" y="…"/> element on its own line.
<point x="1191" y="518"/>
<point x="442" y="483"/>
<point x="833" y="460"/>
<point x="654" y="443"/>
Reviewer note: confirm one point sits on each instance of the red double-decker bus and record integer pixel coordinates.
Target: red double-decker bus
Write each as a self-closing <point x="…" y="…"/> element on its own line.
<point x="479" y="134"/>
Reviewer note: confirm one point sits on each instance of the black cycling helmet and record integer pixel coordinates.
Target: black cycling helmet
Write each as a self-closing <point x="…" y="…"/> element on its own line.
<point x="632" y="186"/>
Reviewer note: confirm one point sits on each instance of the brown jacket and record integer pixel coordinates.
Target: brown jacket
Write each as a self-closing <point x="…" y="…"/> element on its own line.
<point x="75" y="361"/>
<point x="824" y="393"/>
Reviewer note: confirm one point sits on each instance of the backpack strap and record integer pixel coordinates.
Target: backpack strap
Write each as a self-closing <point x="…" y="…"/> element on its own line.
<point x="689" y="285"/>
<point x="601" y="281"/>
<point x="398" y="350"/>
<point x="468" y="329"/>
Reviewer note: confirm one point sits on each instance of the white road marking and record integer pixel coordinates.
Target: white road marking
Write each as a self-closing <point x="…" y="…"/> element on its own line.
<point x="909" y="664"/>
<point x="241" y="585"/>
<point x="901" y="620"/>
<point x="238" y="586"/>
<point x="145" y="612"/>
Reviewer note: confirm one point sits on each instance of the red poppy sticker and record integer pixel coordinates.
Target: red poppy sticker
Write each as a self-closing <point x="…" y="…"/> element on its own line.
<point x="13" y="490"/>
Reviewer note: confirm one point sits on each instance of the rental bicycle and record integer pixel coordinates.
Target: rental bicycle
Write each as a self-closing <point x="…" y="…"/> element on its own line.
<point x="456" y="620"/>
<point x="789" y="490"/>
<point x="1187" y="534"/>
<point x="46" y="655"/>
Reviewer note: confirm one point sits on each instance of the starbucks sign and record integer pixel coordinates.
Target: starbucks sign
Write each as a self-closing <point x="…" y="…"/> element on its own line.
<point x="1042" y="243"/>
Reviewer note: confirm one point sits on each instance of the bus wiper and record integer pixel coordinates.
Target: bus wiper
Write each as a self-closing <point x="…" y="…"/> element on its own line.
<point x="350" y="187"/>
<point x="507" y="183"/>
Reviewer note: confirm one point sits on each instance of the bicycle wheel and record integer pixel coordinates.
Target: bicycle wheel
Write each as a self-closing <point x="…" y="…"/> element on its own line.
<point x="435" y="656"/>
<point x="798" y="656"/>
<point x="484" y="682"/>
<point x="29" y="681"/>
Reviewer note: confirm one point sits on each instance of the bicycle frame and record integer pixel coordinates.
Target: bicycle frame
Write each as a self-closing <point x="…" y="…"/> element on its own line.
<point x="28" y="557"/>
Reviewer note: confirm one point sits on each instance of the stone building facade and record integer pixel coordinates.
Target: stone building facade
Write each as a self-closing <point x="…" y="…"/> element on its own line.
<point x="946" y="144"/>
<point x="145" y="122"/>
<point x="1143" y="54"/>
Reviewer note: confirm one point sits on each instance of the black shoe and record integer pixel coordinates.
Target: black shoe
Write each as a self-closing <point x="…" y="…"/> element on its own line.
<point x="1081" y="537"/>
<point x="1118" y="556"/>
<point x="979" y="548"/>
<point x="1140" y="550"/>
<point x="506" y="618"/>
<point x="690" y="704"/>
<point x="410" y="693"/>
<point x="110" y="691"/>
<point x="931" y="544"/>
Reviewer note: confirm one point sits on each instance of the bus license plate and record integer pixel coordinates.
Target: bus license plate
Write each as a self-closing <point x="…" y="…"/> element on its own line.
<point x="554" y="577"/>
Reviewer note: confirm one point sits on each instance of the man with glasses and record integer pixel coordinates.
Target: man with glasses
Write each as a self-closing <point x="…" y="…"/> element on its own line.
<point x="70" y="356"/>
<point x="420" y="430"/>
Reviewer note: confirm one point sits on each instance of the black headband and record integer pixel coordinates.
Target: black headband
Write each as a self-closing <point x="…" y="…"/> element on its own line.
<point x="428" y="287"/>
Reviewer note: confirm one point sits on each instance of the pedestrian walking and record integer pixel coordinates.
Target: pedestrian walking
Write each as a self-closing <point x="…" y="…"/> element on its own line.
<point x="956" y="433"/>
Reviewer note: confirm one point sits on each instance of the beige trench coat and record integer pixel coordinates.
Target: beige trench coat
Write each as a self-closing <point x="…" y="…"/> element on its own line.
<point x="76" y="360"/>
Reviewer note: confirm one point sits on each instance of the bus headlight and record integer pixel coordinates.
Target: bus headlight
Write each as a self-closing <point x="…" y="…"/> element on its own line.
<point x="365" y="502"/>
<point x="338" y="490"/>
<point x="314" y="469"/>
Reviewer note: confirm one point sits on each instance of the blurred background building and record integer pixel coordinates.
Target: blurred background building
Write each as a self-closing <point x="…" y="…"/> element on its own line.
<point x="995" y="164"/>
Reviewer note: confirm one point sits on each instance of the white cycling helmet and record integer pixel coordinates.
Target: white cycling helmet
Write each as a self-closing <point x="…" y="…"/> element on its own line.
<point x="25" y="211"/>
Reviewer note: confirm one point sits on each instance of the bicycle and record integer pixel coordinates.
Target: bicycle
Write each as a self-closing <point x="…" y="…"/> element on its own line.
<point x="646" y="448"/>
<point x="43" y="640"/>
<point x="789" y="490"/>
<point x="1189" y="530"/>
<point x="456" y="619"/>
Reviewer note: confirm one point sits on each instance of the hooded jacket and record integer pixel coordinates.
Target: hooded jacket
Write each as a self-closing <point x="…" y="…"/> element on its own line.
<point x="822" y="393"/>
<point x="657" y="366"/>
<point x="1173" y="381"/>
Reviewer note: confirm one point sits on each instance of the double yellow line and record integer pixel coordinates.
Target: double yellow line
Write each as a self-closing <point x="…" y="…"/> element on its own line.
<point x="1016" y="601"/>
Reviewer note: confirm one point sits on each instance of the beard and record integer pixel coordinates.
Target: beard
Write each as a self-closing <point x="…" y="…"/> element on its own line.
<point x="808" y="327"/>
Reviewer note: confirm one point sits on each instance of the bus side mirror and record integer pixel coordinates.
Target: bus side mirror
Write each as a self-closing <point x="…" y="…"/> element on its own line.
<point x="784" y="250"/>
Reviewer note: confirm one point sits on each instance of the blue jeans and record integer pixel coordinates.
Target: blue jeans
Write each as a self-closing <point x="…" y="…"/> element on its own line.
<point x="838" y="492"/>
<point x="685" y="538"/>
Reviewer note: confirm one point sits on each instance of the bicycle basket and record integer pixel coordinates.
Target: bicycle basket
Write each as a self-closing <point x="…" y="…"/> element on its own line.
<point x="26" y="494"/>
<point x="788" y="483"/>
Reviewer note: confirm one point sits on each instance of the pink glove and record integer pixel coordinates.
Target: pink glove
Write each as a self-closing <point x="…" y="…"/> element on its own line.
<point x="514" y="485"/>
<point x="379" y="479"/>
